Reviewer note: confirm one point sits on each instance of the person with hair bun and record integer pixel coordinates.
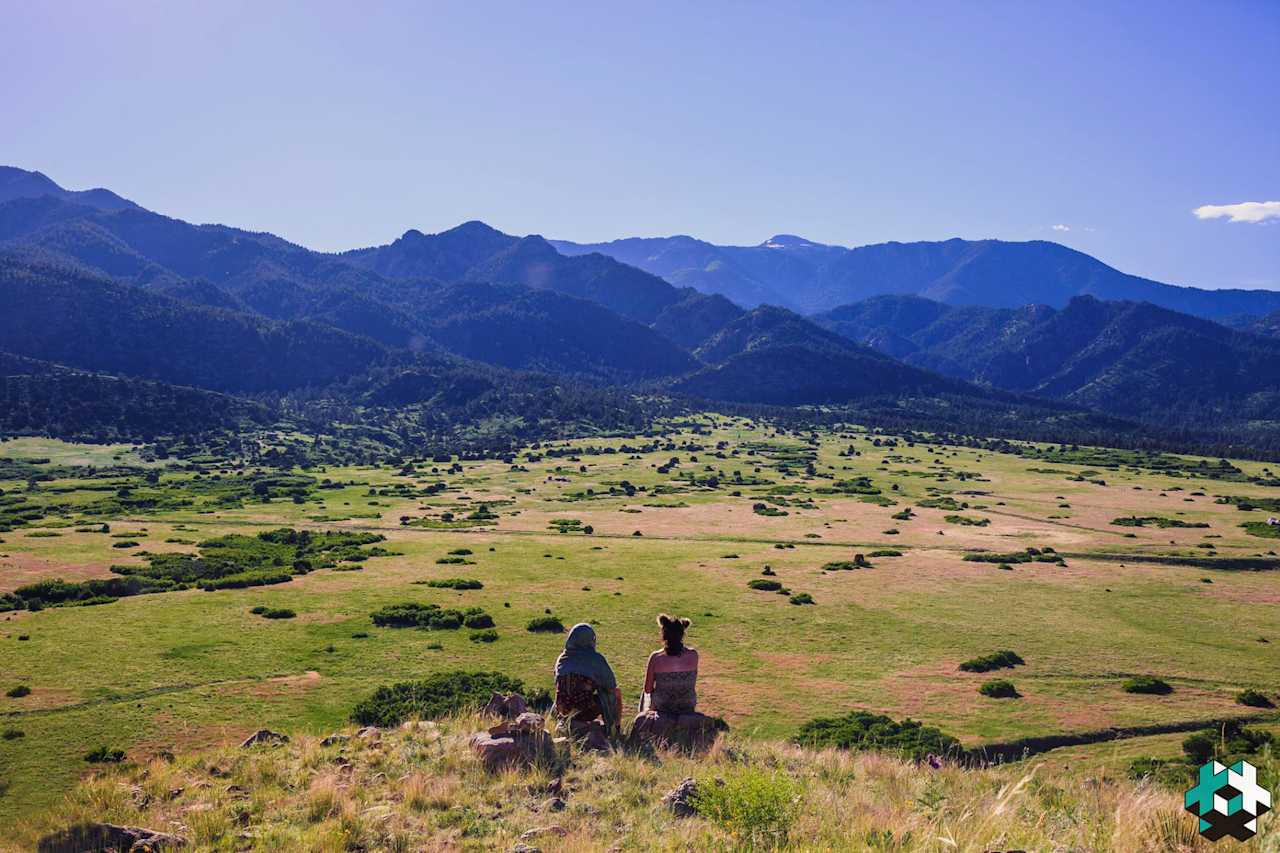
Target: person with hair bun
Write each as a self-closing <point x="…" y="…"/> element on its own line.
<point x="670" y="679"/>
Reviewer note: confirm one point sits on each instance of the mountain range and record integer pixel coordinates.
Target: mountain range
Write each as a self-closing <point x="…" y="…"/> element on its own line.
<point x="810" y="277"/>
<point x="471" y="319"/>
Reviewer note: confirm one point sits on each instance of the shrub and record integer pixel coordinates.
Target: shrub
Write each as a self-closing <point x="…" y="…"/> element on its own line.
<point x="105" y="755"/>
<point x="12" y="734"/>
<point x="764" y="585"/>
<point x="755" y="807"/>
<point x="999" y="689"/>
<point x="1147" y="684"/>
<point x="433" y="697"/>
<point x="477" y="620"/>
<point x="545" y="624"/>
<point x="486" y="636"/>
<point x="18" y="692"/>
<point x="461" y="552"/>
<point x="1003" y="659"/>
<point x="455" y="583"/>
<point x="862" y="730"/>
<point x="885" y="552"/>
<point x="1254" y="699"/>
<point x="802" y="598"/>
<point x="453" y="561"/>
<point x="278" y="613"/>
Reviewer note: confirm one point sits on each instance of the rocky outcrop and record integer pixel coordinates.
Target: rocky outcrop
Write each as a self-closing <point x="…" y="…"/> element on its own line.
<point x="522" y="742"/>
<point x="106" y="836"/>
<point x="691" y="732"/>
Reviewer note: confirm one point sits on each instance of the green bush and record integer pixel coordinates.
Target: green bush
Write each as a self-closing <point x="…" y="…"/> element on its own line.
<point x="756" y="808"/>
<point x="864" y="731"/>
<point x="18" y="692"/>
<point x="1254" y="699"/>
<point x="12" y="734"/>
<point x="764" y="585"/>
<point x="486" y="636"/>
<point x="1147" y="684"/>
<point x="455" y="583"/>
<point x="105" y="755"/>
<point x="885" y="552"/>
<point x="411" y="614"/>
<point x="435" y="696"/>
<point x="999" y="689"/>
<point x="802" y="598"/>
<point x="278" y="613"/>
<point x="545" y="624"/>
<point x="1003" y="659"/>
<point x="477" y="620"/>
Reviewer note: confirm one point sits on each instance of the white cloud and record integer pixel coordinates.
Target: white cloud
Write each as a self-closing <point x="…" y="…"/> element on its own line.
<point x="1062" y="228"/>
<point x="1245" y="211"/>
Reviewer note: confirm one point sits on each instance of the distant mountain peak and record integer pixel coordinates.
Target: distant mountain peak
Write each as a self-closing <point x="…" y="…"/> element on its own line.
<point x="18" y="183"/>
<point x="787" y="241"/>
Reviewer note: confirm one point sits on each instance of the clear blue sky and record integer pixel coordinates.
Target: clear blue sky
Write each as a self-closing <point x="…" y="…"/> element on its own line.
<point x="845" y="123"/>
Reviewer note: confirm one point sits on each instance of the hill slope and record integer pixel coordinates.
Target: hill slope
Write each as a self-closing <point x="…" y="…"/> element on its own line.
<point x="1127" y="358"/>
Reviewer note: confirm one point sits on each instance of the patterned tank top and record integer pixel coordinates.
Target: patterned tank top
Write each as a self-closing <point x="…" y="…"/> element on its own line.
<point x="674" y="692"/>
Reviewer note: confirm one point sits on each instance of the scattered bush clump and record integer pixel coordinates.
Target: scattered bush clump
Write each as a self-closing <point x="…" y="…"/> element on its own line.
<point x="999" y="689"/>
<point x="455" y="583"/>
<point x="411" y="614"/>
<point x="1254" y="699"/>
<point x="435" y="696"/>
<point x="12" y="734"/>
<point x="18" y="692"/>
<point x="545" y="624"/>
<point x="273" y="612"/>
<point x="764" y="585"/>
<point x="802" y="598"/>
<point x="885" y="552"/>
<point x="1003" y="659"/>
<point x="105" y="755"/>
<point x="488" y="635"/>
<point x="1147" y="684"/>
<point x="966" y="520"/>
<point x="1154" y="521"/>
<point x="862" y="730"/>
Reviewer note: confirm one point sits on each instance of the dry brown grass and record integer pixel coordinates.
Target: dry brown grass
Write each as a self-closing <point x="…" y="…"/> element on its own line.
<point x="419" y="788"/>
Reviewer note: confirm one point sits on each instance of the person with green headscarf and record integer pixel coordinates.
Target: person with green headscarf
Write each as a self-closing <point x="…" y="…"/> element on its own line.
<point x="586" y="687"/>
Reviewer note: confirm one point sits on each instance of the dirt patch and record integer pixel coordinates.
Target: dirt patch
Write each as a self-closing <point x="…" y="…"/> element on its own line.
<point x="22" y="569"/>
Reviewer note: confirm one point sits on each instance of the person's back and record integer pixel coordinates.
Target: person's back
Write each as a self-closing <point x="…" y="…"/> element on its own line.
<point x="670" y="679"/>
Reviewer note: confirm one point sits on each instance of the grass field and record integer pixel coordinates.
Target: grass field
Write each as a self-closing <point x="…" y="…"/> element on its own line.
<point x="174" y="671"/>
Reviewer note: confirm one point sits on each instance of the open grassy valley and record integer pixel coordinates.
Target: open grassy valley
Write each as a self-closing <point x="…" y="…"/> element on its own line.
<point x="823" y="571"/>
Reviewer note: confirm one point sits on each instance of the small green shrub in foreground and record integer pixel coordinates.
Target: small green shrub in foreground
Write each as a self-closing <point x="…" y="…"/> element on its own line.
<point x="802" y="598"/>
<point x="488" y="635"/>
<point x="435" y="696"/>
<point x="1147" y="684"/>
<point x="757" y="809"/>
<point x="18" y="692"/>
<point x="1000" y="688"/>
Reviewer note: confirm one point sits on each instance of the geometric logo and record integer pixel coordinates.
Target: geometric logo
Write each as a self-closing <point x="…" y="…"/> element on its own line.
<point x="1228" y="800"/>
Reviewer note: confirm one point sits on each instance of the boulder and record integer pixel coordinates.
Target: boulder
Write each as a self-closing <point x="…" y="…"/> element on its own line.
<point x="590" y="735"/>
<point x="335" y="739"/>
<point x="518" y="743"/>
<point x="106" y="836"/>
<point x="680" y="798"/>
<point x="508" y="706"/>
<point x="264" y="736"/>
<point x="691" y="732"/>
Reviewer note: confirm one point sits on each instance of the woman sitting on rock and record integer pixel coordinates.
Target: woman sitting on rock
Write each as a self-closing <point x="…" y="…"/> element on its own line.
<point x="670" y="680"/>
<point x="669" y="716"/>
<point x="586" y="688"/>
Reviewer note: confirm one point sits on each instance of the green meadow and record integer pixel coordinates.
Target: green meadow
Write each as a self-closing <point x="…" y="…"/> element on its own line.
<point x="1141" y="565"/>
